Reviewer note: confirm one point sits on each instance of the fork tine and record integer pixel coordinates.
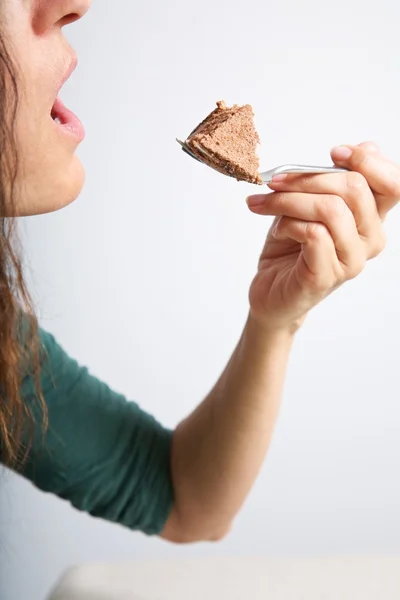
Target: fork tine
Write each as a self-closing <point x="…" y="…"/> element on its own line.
<point x="186" y="149"/>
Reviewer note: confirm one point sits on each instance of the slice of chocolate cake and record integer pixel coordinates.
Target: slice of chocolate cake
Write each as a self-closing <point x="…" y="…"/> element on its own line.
<point x="227" y="141"/>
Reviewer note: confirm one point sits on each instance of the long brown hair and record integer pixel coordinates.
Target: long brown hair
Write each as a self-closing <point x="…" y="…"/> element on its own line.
<point x="19" y="341"/>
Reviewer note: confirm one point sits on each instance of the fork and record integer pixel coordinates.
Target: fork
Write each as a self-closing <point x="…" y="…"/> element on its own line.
<point x="267" y="176"/>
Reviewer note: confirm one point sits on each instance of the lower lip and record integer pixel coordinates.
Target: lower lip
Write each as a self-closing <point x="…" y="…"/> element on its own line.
<point x="68" y="122"/>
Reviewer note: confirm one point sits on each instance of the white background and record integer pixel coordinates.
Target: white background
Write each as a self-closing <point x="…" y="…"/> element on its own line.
<point x="145" y="277"/>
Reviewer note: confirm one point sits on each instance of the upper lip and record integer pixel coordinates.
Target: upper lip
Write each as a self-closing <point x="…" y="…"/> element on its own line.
<point x="73" y="63"/>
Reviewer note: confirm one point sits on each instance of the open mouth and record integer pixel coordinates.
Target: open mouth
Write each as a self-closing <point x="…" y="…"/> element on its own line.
<point x="66" y="120"/>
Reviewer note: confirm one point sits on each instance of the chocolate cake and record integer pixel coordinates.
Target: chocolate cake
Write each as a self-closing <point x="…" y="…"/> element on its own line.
<point x="227" y="141"/>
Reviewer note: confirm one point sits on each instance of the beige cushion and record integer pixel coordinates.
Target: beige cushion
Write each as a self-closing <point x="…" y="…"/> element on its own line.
<point x="336" y="578"/>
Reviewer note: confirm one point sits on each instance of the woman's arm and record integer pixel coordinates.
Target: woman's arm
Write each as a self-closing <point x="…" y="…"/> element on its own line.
<point x="218" y="450"/>
<point x="326" y="228"/>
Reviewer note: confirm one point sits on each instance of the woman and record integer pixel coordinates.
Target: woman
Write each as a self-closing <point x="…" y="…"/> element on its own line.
<point x="67" y="431"/>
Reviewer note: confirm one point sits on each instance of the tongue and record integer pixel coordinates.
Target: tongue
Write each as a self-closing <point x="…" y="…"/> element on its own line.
<point x="60" y="112"/>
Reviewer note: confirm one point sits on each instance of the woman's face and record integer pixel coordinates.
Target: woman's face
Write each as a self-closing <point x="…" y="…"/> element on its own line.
<point x="50" y="174"/>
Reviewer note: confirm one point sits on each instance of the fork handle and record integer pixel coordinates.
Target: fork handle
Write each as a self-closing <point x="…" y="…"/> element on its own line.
<point x="267" y="176"/>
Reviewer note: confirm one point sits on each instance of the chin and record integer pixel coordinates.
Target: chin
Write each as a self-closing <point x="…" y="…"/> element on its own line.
<point x="69" y="188"/>
<point x="58" y="190"/>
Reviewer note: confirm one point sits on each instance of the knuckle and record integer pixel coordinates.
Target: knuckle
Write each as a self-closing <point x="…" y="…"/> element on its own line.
<point x="355" y="181"/>
<point x="369" y="146"/>
<point x="378" y="245"/>
<point x="356" y="266"/>
<point x="394" y="187"/>
<point x="331" y="207"/>
<point x="361" y="158"/>
<point x="315" y="231"/>
<point x="280" y="202"/>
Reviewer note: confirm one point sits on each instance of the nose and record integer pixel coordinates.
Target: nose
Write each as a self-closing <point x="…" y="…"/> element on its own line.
<point x="74" y="10"/>
<point x="48" y="14"/>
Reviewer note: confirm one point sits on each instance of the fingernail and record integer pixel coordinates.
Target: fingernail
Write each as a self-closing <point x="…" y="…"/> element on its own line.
<point x="278" y="178"/>
<point x="253" y="201"/>
<point x="341" y="153"/>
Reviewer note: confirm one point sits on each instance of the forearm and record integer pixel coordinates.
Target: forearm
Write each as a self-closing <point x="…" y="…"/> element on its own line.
<point x="219" y="449"/>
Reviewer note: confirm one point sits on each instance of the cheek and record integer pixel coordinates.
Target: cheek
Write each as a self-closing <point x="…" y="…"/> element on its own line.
<point x="34" y="146"/>
<point x="32" y="132"/>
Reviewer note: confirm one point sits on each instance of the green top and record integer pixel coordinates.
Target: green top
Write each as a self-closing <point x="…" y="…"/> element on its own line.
<point x="100" y="452"/>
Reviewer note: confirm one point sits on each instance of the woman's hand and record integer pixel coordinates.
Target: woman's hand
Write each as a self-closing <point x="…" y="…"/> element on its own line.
<point x="326" y="228"/>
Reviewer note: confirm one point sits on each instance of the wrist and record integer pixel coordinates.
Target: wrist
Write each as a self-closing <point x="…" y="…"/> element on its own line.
<point x="266" y="334"/>
<point x="276" y="328"/>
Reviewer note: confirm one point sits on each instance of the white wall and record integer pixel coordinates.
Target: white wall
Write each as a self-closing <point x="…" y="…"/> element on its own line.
<point x="145" y="278"/>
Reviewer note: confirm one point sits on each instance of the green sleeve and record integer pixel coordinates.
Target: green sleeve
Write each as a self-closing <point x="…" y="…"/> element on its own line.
<point x="101" y="453"/>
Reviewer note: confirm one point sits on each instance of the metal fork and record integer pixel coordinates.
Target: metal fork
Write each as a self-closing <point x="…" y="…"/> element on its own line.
<point x="267" y="176"/>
